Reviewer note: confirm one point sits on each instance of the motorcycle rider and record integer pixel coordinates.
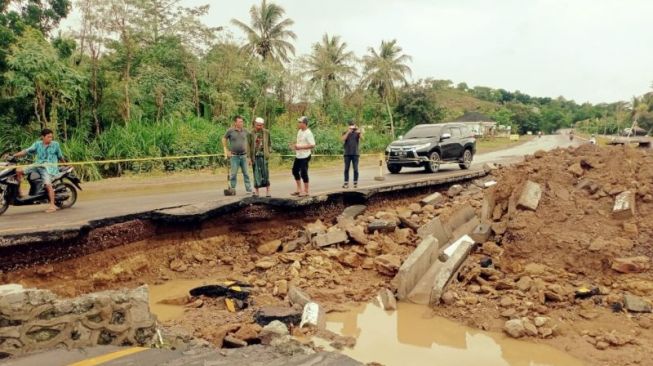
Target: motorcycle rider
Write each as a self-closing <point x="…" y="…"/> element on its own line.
<point x="47" y="151"/>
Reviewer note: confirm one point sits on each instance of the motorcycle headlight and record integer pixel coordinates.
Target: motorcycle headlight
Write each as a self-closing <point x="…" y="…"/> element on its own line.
<point x="421" y="147"/>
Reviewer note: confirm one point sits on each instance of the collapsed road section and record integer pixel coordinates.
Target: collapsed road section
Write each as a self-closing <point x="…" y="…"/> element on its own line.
<point x="555" y="250"/>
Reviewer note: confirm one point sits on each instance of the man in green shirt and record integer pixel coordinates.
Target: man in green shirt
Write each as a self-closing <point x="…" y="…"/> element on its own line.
<point x="234" y="143"/>
<point x="48" y="153"/>
<point x="259" y="153"/>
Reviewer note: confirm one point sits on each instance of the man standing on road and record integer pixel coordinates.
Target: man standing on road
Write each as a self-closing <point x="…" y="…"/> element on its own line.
<point x="303" y="147"/>
<point x="259" y="153"/>
<point x="234" y="143"/>
<point x="351" y="140"/>
<point x="47" y="151"/>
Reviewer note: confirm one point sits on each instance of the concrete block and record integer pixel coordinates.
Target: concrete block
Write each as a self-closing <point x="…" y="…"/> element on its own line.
<point x="624" y="205"/>
<point x="421" y="292"/>
<point x="415" y="266"/>
<point x="455" y="190"/>
<point x="331" y="238"/>
<point x="298" y="297"/>
<point x="530" y="196"/>
<point x="267" y="314"/>
<point x="458" y="252"/>
<point x="460" y="217"/>
<point x="481" y="233"/>
<point x="406" y="222"/>
<point x="314" y="229"/>
<point x="352" y="212"/>
<point x="488" y="167"/>
<point x="382" y="226"/>
<point x="434" y="199"/>
<point x="437" y="230"/>
<point x="487" y="209"/>
<point x="466" y="228"/>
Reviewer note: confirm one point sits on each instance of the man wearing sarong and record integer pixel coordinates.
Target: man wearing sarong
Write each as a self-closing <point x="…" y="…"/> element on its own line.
<point x="259" y="153"/>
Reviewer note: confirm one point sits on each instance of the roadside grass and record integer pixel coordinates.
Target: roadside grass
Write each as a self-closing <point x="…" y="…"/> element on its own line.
<point x="485" y="145"/>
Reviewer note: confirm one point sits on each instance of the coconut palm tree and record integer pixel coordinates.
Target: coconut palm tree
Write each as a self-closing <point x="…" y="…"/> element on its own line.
<point x="268" y="34"/>
<point x="330" y="65"/>
<point x="383" y="70"/>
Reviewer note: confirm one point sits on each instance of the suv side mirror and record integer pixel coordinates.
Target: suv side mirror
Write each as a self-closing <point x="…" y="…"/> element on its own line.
<point x="401" y="137"/>
<point x="445" y="136"/>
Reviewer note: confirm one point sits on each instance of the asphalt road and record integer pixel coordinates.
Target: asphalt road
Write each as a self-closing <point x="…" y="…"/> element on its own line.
<point x="113" y="204"/>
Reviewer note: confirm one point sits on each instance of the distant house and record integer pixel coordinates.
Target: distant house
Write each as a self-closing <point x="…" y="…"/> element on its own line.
<point x="479" y="123"/>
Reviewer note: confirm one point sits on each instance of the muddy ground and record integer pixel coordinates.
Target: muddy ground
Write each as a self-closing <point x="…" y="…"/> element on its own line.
<point x="540" y="259"/>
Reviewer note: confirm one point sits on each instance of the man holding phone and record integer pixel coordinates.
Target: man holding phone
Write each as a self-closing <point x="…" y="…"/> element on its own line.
<point x="351" y="140"/>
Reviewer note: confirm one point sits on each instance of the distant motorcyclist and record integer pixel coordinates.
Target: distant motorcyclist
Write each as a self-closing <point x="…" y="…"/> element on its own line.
<point x="48" y="152"/>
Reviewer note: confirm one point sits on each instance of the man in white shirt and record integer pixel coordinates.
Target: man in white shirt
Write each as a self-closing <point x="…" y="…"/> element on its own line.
<point x="305" y="143"/>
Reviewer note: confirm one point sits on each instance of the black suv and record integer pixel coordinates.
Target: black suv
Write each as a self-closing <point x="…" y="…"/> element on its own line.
<point x="430" y="145"/>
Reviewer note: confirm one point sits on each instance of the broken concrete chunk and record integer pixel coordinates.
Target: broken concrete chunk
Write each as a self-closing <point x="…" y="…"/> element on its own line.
<point x="488" y="167"/>
<point x="576" y="169"/>
<point x="293" y="245"/>
<point x="352" y="212"/>
<point x="409" y="223"/>
<point x="460" y="217"/>
<point x="455" y="190"/>
<point x="436" y="229"/>
<point x="313" y="316"/>
<point x="636" y="304"/>
<point x="233" y="342"/>
<point x="297" y="296"/>
<point x="490" y="183"/>
<point x="434" y="199"/>
<point x="314" y="229"/>
<point x="481" y="233"/>
<point x="382" y="226"/>
<point x="514" y="328"/>
<point x="273" y="330"/>
<point x="457" y="252"/>
<point x="530" y="196"/>
<point x="357" y="234"/>
<point x="624" y="205"/>
<point x="331" y="238"/>
<point x="267" y="314"/>
<point x="415" y="266"/>
<point x="632" y="265"/>
<point x="351" y="259"/>
<point x="386" y="300"/>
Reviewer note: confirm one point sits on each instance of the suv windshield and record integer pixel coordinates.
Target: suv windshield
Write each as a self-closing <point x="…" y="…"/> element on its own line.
<point x="420" y="132"/>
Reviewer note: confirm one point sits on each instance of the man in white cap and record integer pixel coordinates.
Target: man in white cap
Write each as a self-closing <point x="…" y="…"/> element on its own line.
<point x="259" y="153"/>
<point x="303" y="147"/>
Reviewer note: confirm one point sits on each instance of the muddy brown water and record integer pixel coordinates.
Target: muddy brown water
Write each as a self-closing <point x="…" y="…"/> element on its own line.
<point x="406" y="336"/>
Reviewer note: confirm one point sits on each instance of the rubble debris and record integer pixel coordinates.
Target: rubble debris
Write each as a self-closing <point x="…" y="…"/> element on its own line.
<point x="455" y="190"/>
<point x="632" y="264"/>
<point x="387" y="264"/>
<point x="530" y="196"/>
<point x="330" y="238"/>
<point x="382" y="226"/>
<point x="434" y="199"/>
<point x="313" y="316"/>
<point x="636" y="304"/>
<point x="273" y="330"/>
<point x="269" y="248"/>
<point x="481" y="233"/>
<point x="314" y="229"/>
<point x="515" y="328"/>
<point x="624" y="205"/>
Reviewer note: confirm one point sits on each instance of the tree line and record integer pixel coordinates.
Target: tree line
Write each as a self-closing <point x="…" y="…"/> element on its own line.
<point x="148" y="78"/>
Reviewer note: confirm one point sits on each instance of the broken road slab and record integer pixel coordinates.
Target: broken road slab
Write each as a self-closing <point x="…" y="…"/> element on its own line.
<point x="415" y="266"/>
<point x="530" y="196"/>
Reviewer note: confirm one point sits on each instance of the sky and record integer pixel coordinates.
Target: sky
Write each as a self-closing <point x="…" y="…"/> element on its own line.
<point x="587" y="50"/>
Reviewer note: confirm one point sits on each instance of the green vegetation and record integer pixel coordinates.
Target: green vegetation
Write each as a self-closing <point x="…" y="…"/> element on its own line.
<point x="147" y="78"/>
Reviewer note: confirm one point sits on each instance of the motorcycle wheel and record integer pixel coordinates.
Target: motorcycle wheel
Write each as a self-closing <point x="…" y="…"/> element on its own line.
<point x="71" y="191"/>
<point x="4" y="205"/>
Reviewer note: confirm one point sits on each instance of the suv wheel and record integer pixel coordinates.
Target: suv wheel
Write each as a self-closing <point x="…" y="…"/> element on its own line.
<point x="433" y="165"/>
<point x="467" y="160"/>
<point x="394" y="169"/>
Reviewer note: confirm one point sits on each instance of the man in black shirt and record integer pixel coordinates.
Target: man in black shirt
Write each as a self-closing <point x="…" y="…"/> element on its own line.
<point x="351" y="140"/>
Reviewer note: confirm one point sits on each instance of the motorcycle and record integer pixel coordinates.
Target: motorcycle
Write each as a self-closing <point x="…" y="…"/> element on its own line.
<point x="65" y="185"/>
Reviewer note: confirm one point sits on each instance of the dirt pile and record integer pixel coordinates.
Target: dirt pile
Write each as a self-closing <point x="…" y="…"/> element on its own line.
<point x="571" y="250"/>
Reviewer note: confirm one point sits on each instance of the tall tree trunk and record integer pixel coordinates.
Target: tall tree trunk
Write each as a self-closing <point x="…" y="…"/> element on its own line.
<point x="94" y="94"/>
<point x="392" y="122"/>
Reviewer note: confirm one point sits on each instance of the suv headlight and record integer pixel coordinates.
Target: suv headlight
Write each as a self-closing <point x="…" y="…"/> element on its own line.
<point x="421" y="147"/>
<point x="387" y="149"/>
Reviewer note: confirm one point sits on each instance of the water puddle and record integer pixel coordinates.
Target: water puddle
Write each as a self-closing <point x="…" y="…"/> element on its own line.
<point x="408" y="337"/>
<point x="169" y="290"/>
